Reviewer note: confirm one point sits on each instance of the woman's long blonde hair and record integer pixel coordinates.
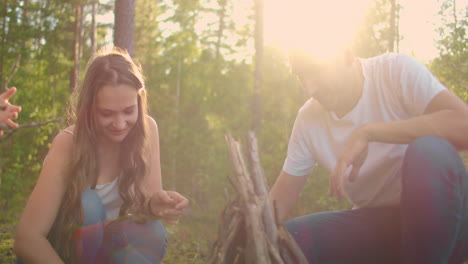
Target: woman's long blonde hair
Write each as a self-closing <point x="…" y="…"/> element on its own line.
<point x="108" y="67"/>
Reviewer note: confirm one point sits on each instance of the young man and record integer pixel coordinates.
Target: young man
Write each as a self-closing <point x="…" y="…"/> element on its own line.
<point x="388" y="131"/>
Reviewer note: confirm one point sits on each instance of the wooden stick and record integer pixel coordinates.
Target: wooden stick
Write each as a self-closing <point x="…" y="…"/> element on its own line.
<point x="258" y="176"/>
<point x="249" y="231"/>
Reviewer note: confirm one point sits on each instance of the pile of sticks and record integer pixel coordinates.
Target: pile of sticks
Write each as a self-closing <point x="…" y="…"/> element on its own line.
<point x="248" y="230"/>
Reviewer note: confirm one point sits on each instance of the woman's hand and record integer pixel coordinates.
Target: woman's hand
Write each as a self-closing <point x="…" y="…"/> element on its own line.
<point x="353" y="154"/>
<point x="168" y="206"/>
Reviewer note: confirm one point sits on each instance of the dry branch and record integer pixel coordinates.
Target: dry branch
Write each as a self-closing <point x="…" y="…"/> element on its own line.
<point x="10" y="131"/>
<point x="249" y="231"/>
<point x="13" y="70"/>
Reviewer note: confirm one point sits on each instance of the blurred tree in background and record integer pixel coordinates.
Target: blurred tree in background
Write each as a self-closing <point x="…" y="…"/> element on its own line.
<point x="451" y="67"/>
<point x="379" y="31"/>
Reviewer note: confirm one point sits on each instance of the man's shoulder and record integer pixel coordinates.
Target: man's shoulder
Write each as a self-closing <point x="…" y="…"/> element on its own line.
<point x="390" y="66"/>
<point x="398" y="60"/>
<point x="311" y="109"/>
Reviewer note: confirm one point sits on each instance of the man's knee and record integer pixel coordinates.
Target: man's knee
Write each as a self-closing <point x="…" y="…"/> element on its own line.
<point x="430" y="154"/>
<point x="432" y="148"/>
<point x="431" y="163"/>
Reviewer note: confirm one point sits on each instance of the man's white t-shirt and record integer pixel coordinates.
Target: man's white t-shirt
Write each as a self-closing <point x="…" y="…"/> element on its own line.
<point x="396" y="87"/>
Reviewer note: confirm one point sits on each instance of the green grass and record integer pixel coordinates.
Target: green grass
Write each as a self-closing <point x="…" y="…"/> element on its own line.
<point x="189" y="241"/>
<point x="6" y="243"/>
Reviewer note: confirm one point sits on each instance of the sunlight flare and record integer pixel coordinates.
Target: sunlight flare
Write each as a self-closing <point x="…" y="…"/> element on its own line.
<point x="319" y="27"/>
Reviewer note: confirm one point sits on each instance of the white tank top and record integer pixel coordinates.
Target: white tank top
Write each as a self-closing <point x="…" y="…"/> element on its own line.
<point x="109" y="194"/>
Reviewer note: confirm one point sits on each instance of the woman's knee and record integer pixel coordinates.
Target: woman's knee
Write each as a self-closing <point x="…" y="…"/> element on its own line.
<point x="131" y="239"/>
<point x="149" y="233"/>
<point x="93" y="209"/>
<point x="156" y="236"/>
<point x="157" y="228"/>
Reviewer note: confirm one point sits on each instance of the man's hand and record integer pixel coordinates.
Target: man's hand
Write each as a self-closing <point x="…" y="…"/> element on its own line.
<point x="353" y="154"/>
<point x="168" y="205"/>
<point x="8" y="112"/>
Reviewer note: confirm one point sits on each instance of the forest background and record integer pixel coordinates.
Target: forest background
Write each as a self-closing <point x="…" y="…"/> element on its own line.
<point x="202" y="84"/>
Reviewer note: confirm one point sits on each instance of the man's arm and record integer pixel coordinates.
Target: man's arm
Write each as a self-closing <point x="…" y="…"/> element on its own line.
<point x="285" y="192"/>
<point x="446" y="116"/>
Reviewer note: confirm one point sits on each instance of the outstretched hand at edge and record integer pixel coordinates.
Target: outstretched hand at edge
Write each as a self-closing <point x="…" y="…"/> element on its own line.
<point x="8" y="112"/>
<point x="168" y="206"/>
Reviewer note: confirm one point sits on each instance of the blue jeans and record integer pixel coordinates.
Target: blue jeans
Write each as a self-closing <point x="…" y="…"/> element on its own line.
<point x="429" y="226"/>
<point x="119" y="241"/>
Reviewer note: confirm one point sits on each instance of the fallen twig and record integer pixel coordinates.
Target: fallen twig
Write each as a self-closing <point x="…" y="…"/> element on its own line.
<point x="10" y="131"/>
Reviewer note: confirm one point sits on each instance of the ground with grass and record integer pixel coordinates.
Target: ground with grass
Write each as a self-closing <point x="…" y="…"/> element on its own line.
<point x="189" y="241"/>
<point x="6" y="243"/>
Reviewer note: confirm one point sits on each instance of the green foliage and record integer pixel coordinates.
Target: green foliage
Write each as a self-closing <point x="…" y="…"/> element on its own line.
<point x="41" y="79"/>
<point x="451" y="67"/>
<point x="375" y="33"/>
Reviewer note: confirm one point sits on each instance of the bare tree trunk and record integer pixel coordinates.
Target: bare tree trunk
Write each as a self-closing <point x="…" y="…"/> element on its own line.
<point x="397" y="27"/>
<point x="3" y="40"/>
<point x="176" y="130"/>
<point x="455" y="19"/>
<point x="95" y="5"/>
<point x="257" y="102"/>
<point x="12" y="72"/>
<point x="78" y="28"/>
<point x="222" y="14"/>
<point x="4" y="81"/>
<point x="457" y="50"/>
<point x="391" y="38"/>
<point x="124" y="25"/>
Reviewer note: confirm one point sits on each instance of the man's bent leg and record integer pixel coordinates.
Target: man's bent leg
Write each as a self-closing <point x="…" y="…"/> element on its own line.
<point x="434" y="203"/>
<point x="364" y="236"/>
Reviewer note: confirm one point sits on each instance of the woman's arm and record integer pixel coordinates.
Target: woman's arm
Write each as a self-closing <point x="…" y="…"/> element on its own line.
<point x="31" y="244"/>
<point x="153" y="181"/>
<point x="165" y="205"/>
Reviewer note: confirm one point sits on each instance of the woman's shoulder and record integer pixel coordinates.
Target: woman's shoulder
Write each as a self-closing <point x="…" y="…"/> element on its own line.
<point x="151" y="121"/>
<point x="69" y="130"/>
<point x="152" y="129"/>
<point x="61" y="147"/>
<point x="64" y="139"/>
<point x="152" y="125"/>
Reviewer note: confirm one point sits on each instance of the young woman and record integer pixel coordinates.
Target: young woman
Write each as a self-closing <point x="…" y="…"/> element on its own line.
<point x="99" y="196"/>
